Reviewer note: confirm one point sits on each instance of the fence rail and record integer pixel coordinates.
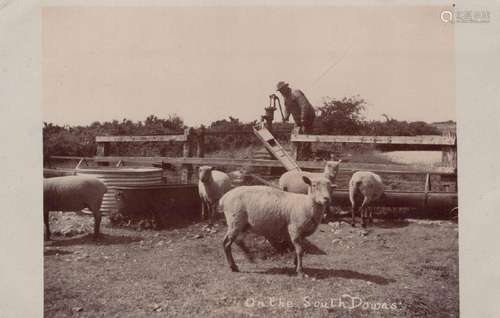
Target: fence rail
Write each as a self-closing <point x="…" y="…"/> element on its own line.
<point x="313" y="165"/>
<point x="398" y="140"/>
<point x="178" y="138"/>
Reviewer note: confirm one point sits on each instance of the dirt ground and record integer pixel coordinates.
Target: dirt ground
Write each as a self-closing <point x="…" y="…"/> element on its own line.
<point x="395" y="268"/>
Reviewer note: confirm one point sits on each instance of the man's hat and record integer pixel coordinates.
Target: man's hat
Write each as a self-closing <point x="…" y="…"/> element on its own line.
<point x="280" y="85"/>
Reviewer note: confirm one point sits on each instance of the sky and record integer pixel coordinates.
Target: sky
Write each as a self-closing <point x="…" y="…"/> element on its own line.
<point x="209" y="63"/>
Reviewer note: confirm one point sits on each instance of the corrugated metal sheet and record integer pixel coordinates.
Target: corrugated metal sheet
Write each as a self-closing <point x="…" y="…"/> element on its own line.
<point x="123" y="176"/>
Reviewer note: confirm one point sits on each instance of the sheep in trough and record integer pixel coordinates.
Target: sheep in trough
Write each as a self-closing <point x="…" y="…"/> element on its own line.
<point x="73" y="193"/>
<point x="291" y="181"/>
<point x="364" y="188"/>
<point x="212" y="185"/>
<point x="270" y="212"/>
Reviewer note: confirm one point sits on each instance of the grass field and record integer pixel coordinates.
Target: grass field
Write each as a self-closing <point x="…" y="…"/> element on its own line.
<point x="396" y="268"/>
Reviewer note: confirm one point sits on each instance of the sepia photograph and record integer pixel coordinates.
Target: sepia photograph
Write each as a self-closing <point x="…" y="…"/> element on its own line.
<point x="249" y="160"/>
<point x="321" y="141"/>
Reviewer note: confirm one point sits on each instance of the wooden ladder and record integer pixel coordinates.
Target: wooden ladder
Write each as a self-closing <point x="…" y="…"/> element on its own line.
<point x="275" y="148"/>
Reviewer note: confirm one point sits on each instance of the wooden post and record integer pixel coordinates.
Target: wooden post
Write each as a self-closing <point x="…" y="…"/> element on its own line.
<point x="449" y="156"/>
<point x="428" y="185"/>
<point x="449" y="159"/>
<point x="295" y="145"/>
<point x="102" y="151"/>
<point x="200" y="151"/>
<point x="187" y="169"/>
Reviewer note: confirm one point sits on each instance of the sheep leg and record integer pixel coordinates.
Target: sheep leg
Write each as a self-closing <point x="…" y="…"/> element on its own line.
<point x="363" y="218"/>
<point x="246" y="251"/>
<point x="96" y="211"/>
<point x="97" y="223"/>
<point x="354" y="210"/>
<point x="46" y="222"/>
<point x="213" y="212"/>
<point x="203" y="212"/>
<point x="211" y="208"/>
<point x="364" y="212"/>
<point x="228" y="240"/>
<point x="299" y="250"/>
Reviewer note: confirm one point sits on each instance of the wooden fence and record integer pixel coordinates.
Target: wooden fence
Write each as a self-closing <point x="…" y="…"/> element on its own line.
<point x="193" y="151"/>
<point x="446" y="144"/>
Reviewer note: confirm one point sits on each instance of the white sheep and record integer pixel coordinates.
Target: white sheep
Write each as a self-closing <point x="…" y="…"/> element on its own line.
<point x="238" y="177"/>
<point x="364" y="188"/>
<point x="291" y="181"/>
<point x="212" y="185"/>
<point x="274" y="213"/>
<point x="73" y="193"/>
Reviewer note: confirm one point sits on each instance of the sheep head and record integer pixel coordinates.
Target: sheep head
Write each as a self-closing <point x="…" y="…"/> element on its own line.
<point x="319" y="189"/>
<point x="205" y="173"/>
<point x="332" y="169"/>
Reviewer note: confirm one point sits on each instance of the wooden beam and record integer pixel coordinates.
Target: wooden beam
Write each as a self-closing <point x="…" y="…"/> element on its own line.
<point x="316" y="165"/>
<point x="245" y="131"/>
<point x="187" y="152"/>
<point x="200" y="142"/>
<point x="102" y="150"/>
<point x="100" y="139"/>
<point x="400" y="140"/>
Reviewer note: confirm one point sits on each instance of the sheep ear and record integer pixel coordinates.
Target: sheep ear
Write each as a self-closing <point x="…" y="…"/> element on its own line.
<point x="306" y="180"/>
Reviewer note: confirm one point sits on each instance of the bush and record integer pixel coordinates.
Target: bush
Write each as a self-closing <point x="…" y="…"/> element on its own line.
<point x="336" y="116"/>
<point x="80" y="140"/>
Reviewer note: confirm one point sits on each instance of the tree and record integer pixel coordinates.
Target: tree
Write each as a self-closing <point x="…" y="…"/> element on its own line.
<point x="342" y="116"/>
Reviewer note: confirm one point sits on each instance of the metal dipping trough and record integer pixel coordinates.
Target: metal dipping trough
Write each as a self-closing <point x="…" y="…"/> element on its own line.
<point x="415" y="199"/>
<point x="160" y="202"/>
<point x="114" y="177"/>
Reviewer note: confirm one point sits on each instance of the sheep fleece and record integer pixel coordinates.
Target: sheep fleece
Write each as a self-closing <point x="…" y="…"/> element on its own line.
<point x="291" y="181"/>
<point x="72" y="193"/>
<point x="221" y="184"/>
<point x="366" y="183"/>
<point x="268" y="211"/>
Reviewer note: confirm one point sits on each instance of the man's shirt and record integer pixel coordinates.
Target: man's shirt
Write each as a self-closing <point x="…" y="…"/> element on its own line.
<point x="300" y="108"/>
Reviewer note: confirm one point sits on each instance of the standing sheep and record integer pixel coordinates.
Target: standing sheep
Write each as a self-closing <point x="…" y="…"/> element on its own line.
<point x="73" y="193"/>
<point x="364" y="188"/>
<point x="271" y="212"/>
<point x="291" y="181"/>
<point x="212" y="185"/>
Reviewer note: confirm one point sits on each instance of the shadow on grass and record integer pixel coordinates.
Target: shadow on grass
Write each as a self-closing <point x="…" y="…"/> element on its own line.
<point x="103" y="239"/>
<point x="321" y="273"/>
<point x="286" y="247"/>
<point x="55" y="251"/>
<point x="312" y="249"/>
